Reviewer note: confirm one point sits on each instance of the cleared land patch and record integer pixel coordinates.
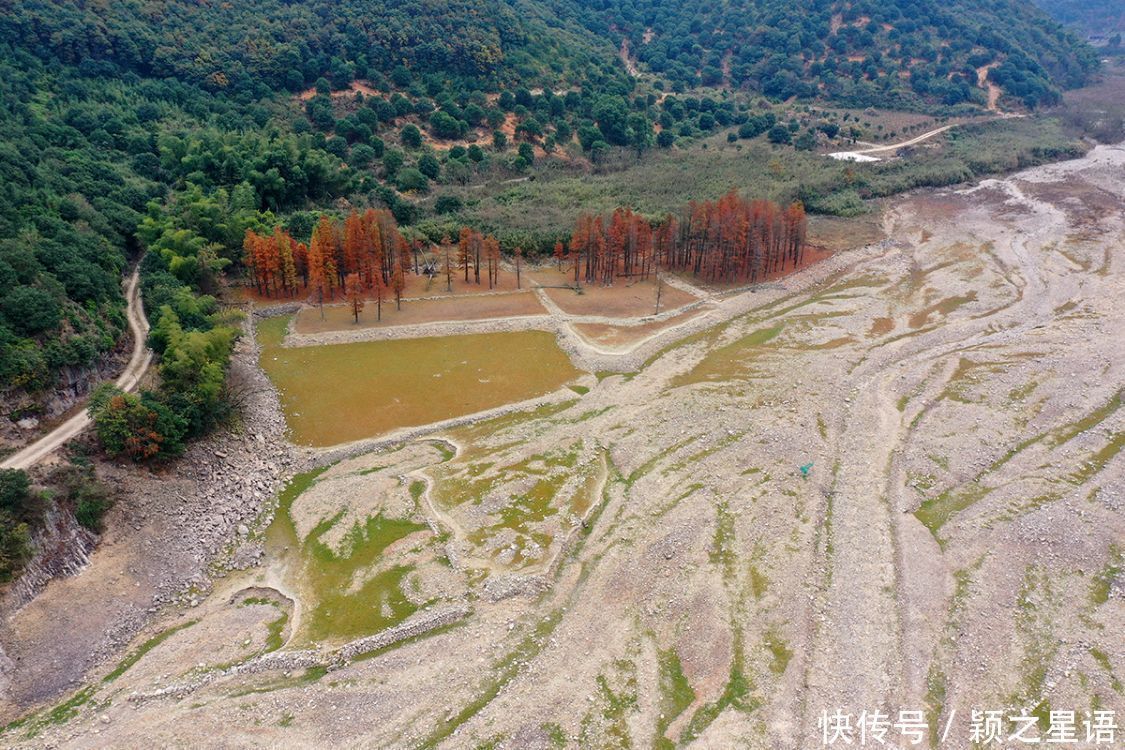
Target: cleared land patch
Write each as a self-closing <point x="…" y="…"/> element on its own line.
<point x="625" y="299"/>
<point x="415" y="311"/>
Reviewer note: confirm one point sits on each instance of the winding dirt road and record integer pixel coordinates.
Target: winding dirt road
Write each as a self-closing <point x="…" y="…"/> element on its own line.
<point x="867" y="154"/>
<point x="127" y="381"/>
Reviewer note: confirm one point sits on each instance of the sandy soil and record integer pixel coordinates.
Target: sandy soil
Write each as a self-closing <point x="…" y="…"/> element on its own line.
<point x="616" y="335"/>
<point x="624" y="299"/>
<point x="951" y="548"/>
<point x="417" y="287"/>
<point x="413" y="312"/>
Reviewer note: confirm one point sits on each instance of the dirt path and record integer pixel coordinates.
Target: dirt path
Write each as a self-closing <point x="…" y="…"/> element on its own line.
<point x="127" y="381"/>
<point x="994" y="91"/>
<point x="868" y="154"/>
<point x="627" y="60"/>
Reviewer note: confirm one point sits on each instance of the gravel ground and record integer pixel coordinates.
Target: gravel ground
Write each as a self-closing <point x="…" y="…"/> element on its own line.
<point x="956" y="390"/>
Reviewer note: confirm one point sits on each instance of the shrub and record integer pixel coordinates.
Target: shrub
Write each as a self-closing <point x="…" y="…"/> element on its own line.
<point x="411" y="179"/>
<point x="447" y="204"/>
<point x="136" y="427"/>
<point x="429" y="166"/>
<point x="780" y="134"/>
<point x="15" y="546"/>
<point x="411" y="137"/>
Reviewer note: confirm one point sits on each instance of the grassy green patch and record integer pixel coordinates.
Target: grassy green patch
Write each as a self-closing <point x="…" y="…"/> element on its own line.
<point x="1103" y="581"/>
<point x="491" y="743"/>
<point x="1098" y="460"/>
<point x="736" y="695"/>
<point x="729" y="362"/>
<point x="935" y="702"/>
<point x="1102" y="658"/>
<point x="275" y="628"/>
<point x="676" y="696"/>
<point x="503" y="670"/>
<point x="337" y="607"/>
<point x="1021" y="393"/>
<point x="722" y="548"/>
<point x="555" y="735"/>
<point x="779" y="651"/>
<point x="936" y="512"/>
<point x="145" y="647"/>
<point x="309" y="676"/>
<point x="758" y="582"/>
<point x="614" y="705"/>
<point x="1039" y="644"/>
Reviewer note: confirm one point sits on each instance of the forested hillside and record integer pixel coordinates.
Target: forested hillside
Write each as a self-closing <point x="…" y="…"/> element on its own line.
<point x="82" y="155"/>
<point x="864" y="53"/>
<point x="173" y="126"/>
<point x="1093" y="16"/>
<point x="255" y="48"/>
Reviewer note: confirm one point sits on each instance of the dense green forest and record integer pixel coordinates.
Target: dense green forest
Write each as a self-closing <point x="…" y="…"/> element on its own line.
<point x="168" y="128"/>
<point x="862" y="53"/>
<point x="252" y="49"/>
<point x="85" y="159"/>
<point x="1093" y="16"/>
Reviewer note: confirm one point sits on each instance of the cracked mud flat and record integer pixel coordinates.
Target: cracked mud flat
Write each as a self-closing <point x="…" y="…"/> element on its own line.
<point x="644" y="565"/>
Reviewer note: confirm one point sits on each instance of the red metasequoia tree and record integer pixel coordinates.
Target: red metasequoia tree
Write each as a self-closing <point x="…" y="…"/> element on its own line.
<point x="368" y="245"/>
<point x="728" y="240"/>
<point x="353" y="289"/>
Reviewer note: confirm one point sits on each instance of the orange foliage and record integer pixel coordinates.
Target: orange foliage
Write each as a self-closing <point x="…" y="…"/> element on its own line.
<point x="728" y="240"/>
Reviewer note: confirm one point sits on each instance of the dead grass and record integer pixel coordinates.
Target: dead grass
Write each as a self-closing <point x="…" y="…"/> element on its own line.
<point x="625" y="299"/>
<point x="413" y="312"/>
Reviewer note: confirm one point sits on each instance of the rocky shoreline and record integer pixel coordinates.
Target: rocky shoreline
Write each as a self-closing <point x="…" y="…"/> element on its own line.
<point x="184" y="527"/>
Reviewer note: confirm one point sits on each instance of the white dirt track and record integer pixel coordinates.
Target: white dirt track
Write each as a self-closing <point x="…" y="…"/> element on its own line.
<point x="138" y="364"/>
